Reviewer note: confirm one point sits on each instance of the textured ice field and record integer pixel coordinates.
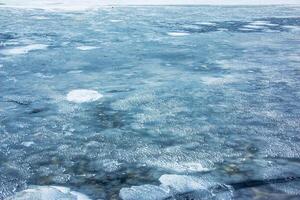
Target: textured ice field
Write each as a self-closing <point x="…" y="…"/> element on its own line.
<point x="150" y="103"/>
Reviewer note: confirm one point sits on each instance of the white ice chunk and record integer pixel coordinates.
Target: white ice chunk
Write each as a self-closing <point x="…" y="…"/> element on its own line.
<point x="177" y="34"/>
<point x="182" y="183"/>
<point x="207" y="23"/>
<point x="170" y="185"/>
<point x="179" y="166"/>
<point x="260" y="23"/>
<point x="83" y="95"/>
<point x="115" y="20"/>
<point x="48" y="193"/>
<point x="245" y="29"/>
<point x="144" y="192"/>
<point x="86" y="48"/>
<point x="74" y="72"/>
<point x="23" y="49"/>
<point x="250" y="26"/>
<point x="28" y="144"/>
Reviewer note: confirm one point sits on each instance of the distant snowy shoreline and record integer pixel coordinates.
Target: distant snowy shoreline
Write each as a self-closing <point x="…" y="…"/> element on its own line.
<point x="77" y="5"/>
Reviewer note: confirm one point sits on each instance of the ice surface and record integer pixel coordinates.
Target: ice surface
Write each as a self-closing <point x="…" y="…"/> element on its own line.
<point x="171" y="186"/>
<point x="83" y="95"/>
<point x="28" y="144"/>
<point x="86" y="48"/>
<point x="48" y="193"/>
<point x="208" y="23"/>
<point x="144" y="192"/>
<point x="115" y="20"/>
<point x="177" y="34"/>
<point x="23" y="49"/>
<point x="212" y="108"/>
<point x="182" y="183"/>
<point x="179" y="167"/>
<point x="252" y="26"/>
<point x="260" y="23"/>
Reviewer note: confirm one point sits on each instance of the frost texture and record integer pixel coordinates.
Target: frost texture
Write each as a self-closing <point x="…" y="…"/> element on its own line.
<point x="106" y="99"/>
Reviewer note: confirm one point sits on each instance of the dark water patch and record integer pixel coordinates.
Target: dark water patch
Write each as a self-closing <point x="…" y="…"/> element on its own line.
<point x="37" y="110"/>
<point x="258" y="183"/>
<point x="24" y="101"/>
<point x="285" y="21"/>
<point x="108" y="118"/>
<point x="7" y="36"/>
<point x="120" y="90"/>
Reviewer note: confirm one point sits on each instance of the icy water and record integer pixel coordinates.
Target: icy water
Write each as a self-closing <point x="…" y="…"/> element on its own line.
<point x="151" y="102"/>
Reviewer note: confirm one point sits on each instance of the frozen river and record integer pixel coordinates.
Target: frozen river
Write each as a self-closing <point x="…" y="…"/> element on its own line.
<point x="150" y="103"/>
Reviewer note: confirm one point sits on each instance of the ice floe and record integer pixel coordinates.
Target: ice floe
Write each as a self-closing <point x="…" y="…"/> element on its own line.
<point x="207" y="23"/>
<point x="170" y="186"/>
<point x="86" y="48"/>
<point x="252" y="26"/>
<point x="178" y="34"/>
<point x="83" y="95"/>
<point x="144" y="192"/>
<point x="23" y="49"/>
<point x="48" y="193"/>
<point x="28" y="144"/>
<point x="260" y="23"/>
<point x="182" y="183"/>
<point x="179" y="166"/>
<point x="245" y="29"/>
<point x="115" y="20"/>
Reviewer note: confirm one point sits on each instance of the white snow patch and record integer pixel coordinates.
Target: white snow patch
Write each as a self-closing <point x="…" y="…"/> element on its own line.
<point x="23" y="49"/>
<point x="182" y="183"/>
<point x="144" y="192"/>
<point x="178" y="34"/>
<point x="79" y="5"/>
<point x="260" y="23"/>
<point x="170" y="185"/>
<point x="86" y="48"/>
<point x="250" y="26"/>
<point x="83" y="95"/>
<point x="74" y="72"/>
<point x="245" y="29"/>
<point x="28" y="144"/>
<point x="207" y="23"/>
<point x="180" y="167"/>
<point x="48" y="193"/>
<point x="115" y="20"/>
